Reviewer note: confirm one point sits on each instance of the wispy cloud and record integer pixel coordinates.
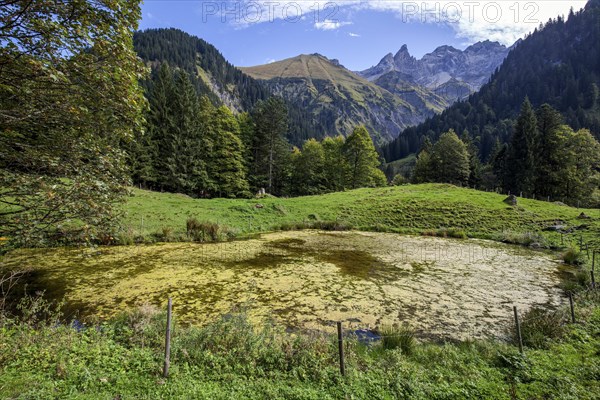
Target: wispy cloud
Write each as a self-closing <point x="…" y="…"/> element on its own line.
<point x="503" y="21"/>
<point x="330" y="25"/>
<point x="351" y="34"/>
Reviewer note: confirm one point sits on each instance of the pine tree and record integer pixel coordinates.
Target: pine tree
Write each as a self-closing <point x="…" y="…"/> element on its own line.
<point x="521" y="161"/>
<point x="160" y="121"/>
<point x="225" y="160"/>
<point x="549" y="157"/>
<point x="185" y="167"/>
<point x="475" y="167"/>
<point x="270" y="149"/>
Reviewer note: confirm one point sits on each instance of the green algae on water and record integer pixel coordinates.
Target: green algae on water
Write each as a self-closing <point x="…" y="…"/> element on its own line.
<point x="307" y="280"/>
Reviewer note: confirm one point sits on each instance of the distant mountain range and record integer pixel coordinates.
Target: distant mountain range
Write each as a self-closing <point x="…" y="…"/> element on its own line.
<point x="399" y="92"/>
<point x="324" y="97"/>
<point x="340" y="99"/>
<point x="447" y="72"/>
<point x="558" y="64"/>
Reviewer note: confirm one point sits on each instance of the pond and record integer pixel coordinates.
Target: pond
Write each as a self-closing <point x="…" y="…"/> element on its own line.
<point x="443" y="288"/>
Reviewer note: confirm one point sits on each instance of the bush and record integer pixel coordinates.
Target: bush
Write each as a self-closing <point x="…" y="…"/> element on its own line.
<point x="539" y="326"/>
<point x="393" y="337"/>
<point x="573" y="257"/>
<point x="522" y="238"/>
<point x="144" y="326"/>
<point x="399" y="180"/>
<point x="125" y="238"/>
<point x="322" y="225"/>
<point x="164" y="235"/>
<point x="332" y="225"/>
<point x="446" y="232"/>
<point x="208" y="231"/>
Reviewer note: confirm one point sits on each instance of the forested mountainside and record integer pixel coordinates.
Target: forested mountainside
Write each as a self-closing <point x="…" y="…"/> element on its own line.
<point x="558" y="64"/>
<point x="213" y="76"/>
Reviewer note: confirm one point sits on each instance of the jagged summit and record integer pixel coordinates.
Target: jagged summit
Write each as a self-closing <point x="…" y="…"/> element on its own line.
<point x="445" y="65"/>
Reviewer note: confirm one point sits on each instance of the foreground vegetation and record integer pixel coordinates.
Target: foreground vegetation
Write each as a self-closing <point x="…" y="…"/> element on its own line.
<point x="432" y="209"/>
<point x="123" y="358"/>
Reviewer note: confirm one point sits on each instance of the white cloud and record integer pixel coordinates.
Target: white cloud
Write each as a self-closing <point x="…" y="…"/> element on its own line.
<point x="351" y="34"/>
<point x="270" y="61"/>
<point x="500" y="20"/>
<point x="330" y="25"/>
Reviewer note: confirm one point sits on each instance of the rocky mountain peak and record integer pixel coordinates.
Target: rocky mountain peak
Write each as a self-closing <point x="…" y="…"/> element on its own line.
<point x="403" y="54"/>
<point x="446" y="64"/>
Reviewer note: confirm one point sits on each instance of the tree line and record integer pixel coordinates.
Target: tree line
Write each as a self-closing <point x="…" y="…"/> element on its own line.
<point x="544" y="158"/>
<point x="191" y="146"/>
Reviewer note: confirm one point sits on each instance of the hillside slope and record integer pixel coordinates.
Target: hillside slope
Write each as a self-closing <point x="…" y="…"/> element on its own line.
<point x="404" y="209"/>
<point x="338" y="98"/>
<point x="215" y="77"/>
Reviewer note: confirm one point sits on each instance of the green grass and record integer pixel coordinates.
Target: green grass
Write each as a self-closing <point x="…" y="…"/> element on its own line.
<point x="411" y="209"/>
<point x="122" y="359"/>
<point x="231" y="358"/>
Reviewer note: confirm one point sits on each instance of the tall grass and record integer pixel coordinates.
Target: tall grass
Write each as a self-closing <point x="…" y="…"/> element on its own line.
<point x="395" y="337"/>
<point x="205" y="231"/>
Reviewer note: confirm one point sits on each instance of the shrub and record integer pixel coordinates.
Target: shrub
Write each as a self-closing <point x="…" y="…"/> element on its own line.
<point x="394" y="337"/>
<point x="125" y="238"/>
<point x="572" y="257"/>
<point x="539" y="326"/>
<point x="399" y="180"/>
<point x="446" y="232"/>
<point x="143" y="326"/>
<point x="164" y="235"/>
<point x="522" y="238"/>
<point x="208" y="231"/>
<point x="332" y="225"/>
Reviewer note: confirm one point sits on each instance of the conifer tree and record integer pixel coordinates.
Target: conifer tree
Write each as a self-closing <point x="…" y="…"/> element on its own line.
<point x="475" y="167"/>
<point x="226" y="164"/>
<point x="521" y="158"/>
<point x="548" y="151"/>
<point x="270" y="149"/>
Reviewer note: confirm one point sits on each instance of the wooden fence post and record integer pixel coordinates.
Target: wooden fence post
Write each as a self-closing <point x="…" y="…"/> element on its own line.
<point x="168" y="340"/>
<point x="572" y="307"/>
<point x="341" y="348"/>
<point x="593" y="279"/>
<point x="518" y="326"/>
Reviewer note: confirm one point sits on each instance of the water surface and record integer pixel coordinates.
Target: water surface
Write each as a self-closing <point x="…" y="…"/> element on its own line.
<point x="308" y="280"/>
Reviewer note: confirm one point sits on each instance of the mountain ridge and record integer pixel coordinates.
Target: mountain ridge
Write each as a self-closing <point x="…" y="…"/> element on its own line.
<point x="450" y="73"/>
<point x="340" y="98"/>
<point x="337" y="96"/>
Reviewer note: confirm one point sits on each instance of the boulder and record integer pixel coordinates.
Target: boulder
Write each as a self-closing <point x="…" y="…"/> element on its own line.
<point x="511" y="200"/>
<point x="583" y="216"/>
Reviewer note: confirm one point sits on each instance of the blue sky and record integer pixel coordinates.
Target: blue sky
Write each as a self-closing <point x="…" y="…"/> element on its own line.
<point x="357" y="32"/>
